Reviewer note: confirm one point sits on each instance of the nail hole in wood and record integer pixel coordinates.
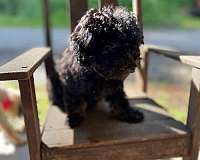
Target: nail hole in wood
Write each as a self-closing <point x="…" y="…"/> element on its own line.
<point x="24" y="67"/>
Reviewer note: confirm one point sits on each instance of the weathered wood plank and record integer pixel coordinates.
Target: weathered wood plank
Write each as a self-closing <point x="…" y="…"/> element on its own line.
<point x="23" y="66"/>
<point x="30" y="112"/>
<point x="77" y="10"/>
<point x="193" y="61"/>
<point x="180" y="56"/>
<point x="87" y="136"/>
<point x="108" y="2"/>
<point x="99" y="135"/>
<point x="193" y="121"/>
<point x="143" y="150"/>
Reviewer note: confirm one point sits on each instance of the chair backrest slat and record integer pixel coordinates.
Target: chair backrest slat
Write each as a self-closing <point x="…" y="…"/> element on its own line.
<point x="108" y="2"/>
<point x="46" y="22"/>
<point x="137" y="9"/>
<point x="49" y="64"/>
<point x="77" y="10"/>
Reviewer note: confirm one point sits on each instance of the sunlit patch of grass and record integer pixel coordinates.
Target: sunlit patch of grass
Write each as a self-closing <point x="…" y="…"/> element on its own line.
<point x="173" y="110"/>
<point x="10" y="84"/>
<point x="42" y="101"/>
<point x="173" y="97"/>
<point x="190" y="22"/>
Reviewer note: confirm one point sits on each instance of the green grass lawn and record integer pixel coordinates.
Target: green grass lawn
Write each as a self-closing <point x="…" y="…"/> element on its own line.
<point x="19" y="21"/>
<point x="155" y="13"/>
<point x="15" y="21"/>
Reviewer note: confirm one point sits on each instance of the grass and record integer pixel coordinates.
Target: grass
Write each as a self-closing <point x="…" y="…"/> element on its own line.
<point x="155" y="13"/>
<point x="59" y="20"/>
<point x="187" y="22"/>
<point x="8" y="20"/>
<point x="190" y="22"/>
<point x="174" y="97"/>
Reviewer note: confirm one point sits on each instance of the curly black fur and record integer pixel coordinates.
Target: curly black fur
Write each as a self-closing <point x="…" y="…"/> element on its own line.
<point x="104" y="49"/>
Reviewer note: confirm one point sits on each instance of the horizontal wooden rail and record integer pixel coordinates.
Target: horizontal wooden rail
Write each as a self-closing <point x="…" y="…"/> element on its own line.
<point x="141" y="150"/>
<point x="183" y="57"/>
<point x="23" y="66"/>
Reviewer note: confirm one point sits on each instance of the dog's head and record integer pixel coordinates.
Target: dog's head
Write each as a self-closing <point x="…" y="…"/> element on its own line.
<point x="108" y="40"/>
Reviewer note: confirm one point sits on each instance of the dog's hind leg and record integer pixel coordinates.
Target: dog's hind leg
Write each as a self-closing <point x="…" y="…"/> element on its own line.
<point x="121" y="108"/>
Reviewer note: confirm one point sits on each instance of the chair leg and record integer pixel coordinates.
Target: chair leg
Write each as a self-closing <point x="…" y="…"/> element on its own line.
<point x="186" y="158"/>
<point x="28" y="97"/>
<point x="193" y="120"/>
<point x="191" y="157"/>
<point x="194" y="153"/>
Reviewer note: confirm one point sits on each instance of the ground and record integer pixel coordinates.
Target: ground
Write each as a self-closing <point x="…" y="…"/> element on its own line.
<point x="167" y="75"/>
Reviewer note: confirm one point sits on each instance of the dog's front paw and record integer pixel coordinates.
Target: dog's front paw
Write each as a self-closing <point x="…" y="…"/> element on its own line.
<point x="131" y="116"/>
<point x="75" y="120"/>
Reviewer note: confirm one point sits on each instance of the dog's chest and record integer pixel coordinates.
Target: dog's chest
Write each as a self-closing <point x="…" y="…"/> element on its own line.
<point x="106" y="88"/>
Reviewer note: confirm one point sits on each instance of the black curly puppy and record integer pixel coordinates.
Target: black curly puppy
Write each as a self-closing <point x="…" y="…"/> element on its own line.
<point x="104" y="49"/>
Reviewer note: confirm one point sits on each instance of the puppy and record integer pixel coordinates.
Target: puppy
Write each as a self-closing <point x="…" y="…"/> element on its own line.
<point x="103" y="50"/>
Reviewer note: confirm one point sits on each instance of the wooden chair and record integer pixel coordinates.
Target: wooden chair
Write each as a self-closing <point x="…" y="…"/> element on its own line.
<point x="159" y="136"/>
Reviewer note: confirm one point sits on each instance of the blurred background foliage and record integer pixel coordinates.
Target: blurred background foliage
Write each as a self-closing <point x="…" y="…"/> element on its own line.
<point x="167" y="13"/>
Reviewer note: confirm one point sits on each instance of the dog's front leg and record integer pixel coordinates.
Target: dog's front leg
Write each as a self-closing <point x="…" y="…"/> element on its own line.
<point x="121" y="108"/>
<point x="75" y="107"/>
<point x="76" y="113"/>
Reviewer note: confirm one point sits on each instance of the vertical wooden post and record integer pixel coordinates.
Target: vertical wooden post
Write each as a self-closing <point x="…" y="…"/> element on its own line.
<point x="193" y="120"/>
<point x="28" y="98"/>
<point x="142" y="73"/>
<point x="137" y="8"/>
<point x="49" y="63"/>
<point x="45" y="6"/>
<point x="107" y="2"/>
<point x="77" y="10"/>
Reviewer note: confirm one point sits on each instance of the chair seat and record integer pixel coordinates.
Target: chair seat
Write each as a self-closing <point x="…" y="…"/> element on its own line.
<point x="101" y="137"/>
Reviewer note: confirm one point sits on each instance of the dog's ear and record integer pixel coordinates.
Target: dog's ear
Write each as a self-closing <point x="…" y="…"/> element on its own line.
<point x="81" y="46"/>
<point x="81" y="40"/>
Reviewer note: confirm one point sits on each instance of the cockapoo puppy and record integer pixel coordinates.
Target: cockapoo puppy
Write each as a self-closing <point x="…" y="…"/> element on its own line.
<point x="103" y="50"/>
